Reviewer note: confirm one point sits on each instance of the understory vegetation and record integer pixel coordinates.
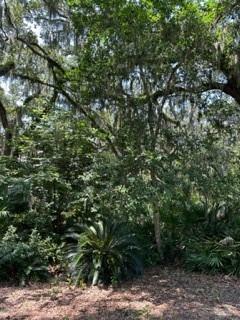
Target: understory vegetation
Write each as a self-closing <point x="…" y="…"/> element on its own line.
<point x="119" y="138"/>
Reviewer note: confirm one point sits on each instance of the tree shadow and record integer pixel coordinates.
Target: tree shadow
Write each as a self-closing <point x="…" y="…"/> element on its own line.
<point x="172" y="294"/>
<point x="158" y="294"/>
<point x="132" y="314"/>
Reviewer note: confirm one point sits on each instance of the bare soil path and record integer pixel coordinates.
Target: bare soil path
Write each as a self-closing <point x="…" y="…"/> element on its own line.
<point x="159" y="294"/>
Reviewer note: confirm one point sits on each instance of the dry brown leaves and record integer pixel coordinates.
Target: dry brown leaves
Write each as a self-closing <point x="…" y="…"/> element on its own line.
<point x="159" y="294"/>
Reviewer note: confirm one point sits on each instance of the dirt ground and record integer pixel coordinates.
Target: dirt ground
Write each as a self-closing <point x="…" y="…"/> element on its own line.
<point x="159" y="294"/>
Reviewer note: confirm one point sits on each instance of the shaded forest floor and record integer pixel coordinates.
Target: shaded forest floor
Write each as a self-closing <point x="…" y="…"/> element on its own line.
<point x="159" y="294"/>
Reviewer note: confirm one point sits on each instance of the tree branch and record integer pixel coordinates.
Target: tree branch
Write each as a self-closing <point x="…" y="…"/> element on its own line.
<point x="39" y="51"/>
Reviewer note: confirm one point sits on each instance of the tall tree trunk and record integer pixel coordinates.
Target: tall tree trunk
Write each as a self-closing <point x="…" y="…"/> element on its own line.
<point x="157" y="229"/>
<point x="6" y="126"/>
<point x="156" y="214"/>
<point x="7" y="150"/>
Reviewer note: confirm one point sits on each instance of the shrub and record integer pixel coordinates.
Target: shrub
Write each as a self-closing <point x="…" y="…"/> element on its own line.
<point x="146" y="240"/>
<point x="104" y="252"/>
<point x="21" y="261"/>
<point x="18" y="195"/>
<point x="214" y="256"/>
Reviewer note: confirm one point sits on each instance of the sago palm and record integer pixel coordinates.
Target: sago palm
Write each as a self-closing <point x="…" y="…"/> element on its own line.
<point x="104" y="252"/>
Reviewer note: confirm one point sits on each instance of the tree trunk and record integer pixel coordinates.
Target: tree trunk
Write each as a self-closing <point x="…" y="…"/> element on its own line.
<point x="156" y="214"/>
<point x="7" y="149"/>
<point x="156" y="221"/>
<point x="7" y="129"/>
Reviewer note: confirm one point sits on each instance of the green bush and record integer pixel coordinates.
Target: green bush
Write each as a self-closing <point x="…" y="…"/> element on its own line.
<point x="104" y="252"/>
<point x="214" y="256"/>
<point x="18" y="195"/>
<point x="21" y="261"/>
<point x="146" y="241"/>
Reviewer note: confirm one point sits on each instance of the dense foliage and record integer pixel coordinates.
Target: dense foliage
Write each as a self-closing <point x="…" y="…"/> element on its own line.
<point x="119" y="111"/>
<point x="22" y="261"/>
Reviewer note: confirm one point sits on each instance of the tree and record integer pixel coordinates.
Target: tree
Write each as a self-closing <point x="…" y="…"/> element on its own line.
<point x="152" y="79"/>
<point x="149" y="69"/>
